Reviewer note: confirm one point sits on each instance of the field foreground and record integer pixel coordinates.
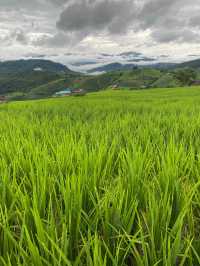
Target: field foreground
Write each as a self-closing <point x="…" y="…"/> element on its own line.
<point x="112" y="178"/>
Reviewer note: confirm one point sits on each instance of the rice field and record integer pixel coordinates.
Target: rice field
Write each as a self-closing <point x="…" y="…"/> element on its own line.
<point x="112" y="178"/>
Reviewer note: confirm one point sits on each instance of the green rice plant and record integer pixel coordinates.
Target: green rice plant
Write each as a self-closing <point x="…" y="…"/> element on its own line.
<point x="109" y="179"/>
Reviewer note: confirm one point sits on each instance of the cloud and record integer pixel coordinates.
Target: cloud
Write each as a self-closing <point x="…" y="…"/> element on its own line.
<point x="12" y="4"/>
<point x="95" y="16"/>
<point x="91" y="17"/>
<point x="58" y="40"/>
<point x="20" y="36"/>
<point x="58" y="2"/>
<point x="99" y="25"/>
<point x="195" y="22"/>
<point x="16" y="36"/>
<point x="74" y="20"/>
<point x="178" y="35"/>
<point x="155" y="12"/>
<point x="170" y="21"/>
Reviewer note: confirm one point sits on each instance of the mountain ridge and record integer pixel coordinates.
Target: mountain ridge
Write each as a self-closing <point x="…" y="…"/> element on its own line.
<point x="26" y="65"/>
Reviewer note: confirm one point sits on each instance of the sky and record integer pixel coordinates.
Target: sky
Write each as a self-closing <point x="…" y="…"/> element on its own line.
<point x="70" y="31"/>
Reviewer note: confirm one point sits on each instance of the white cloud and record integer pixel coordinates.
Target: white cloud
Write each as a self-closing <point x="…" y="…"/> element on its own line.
<point x="99" y="26"/>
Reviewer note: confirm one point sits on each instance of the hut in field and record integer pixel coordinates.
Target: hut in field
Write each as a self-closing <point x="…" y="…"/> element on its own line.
<point x="3" y="99"/>
<point x="195" y="83"/>
<point x="115" y="87"/>
<point x="78" y="92"/>
<point x="64" y="93"/>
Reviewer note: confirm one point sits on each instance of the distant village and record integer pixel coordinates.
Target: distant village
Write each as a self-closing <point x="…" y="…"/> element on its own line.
<point x="63" y="93"/>
<point x="70" y="92"/>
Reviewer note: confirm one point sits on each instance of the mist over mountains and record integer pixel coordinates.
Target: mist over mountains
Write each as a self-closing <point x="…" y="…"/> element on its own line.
<point x="85" y="63"/>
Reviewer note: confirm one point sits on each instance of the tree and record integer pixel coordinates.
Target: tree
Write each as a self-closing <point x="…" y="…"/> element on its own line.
<point x="185" y="75"/>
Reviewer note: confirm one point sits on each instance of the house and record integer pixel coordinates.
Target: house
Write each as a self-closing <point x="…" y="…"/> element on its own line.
<point x="143" y="87"/>
<point x="115" y="87"/>
<point x="38" y="69"/>
<point x="64" y="93"/>
<point x="3" y="99"/>
<point x="195" y="83"/>
<point x="78" y="92"/>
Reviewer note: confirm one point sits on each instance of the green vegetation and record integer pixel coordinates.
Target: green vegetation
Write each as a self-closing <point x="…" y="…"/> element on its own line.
<point x="23" y="66"/>
<point x="185" y="75"/>
<point x="108" y="179"/>
<point x="168" y="80"/>
<point x="25" y="82"/>
<point x="21" y="78"/>
<point x="45" y="84"/>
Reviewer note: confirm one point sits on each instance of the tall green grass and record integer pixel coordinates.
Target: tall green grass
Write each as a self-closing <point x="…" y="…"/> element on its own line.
<point x="109" y="179"/>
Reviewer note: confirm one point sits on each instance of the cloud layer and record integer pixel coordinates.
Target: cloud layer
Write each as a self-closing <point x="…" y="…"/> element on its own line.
<point x="167" y="20"/>
<point x="93" y="16"/>
<point x="42" y="25"/>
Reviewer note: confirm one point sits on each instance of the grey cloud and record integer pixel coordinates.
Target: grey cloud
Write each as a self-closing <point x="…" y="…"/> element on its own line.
<point x="58" y="2"/>
<point x="20" y="3"/>
<point x="32" y="5"/>
<point x="59" y="40"/>
<point x="171" y="35"/>
<point x="117" y="16"/>
<point x="195" y="21"/>
<point x="155" y="11"/>
<point x="15" y="36"/>
<point x="62" y="23"/>
<point x="34" y="55"/>
<point x="20" y="37"/>
<point x="169" y="20"/>
<point x="91" y="16"/>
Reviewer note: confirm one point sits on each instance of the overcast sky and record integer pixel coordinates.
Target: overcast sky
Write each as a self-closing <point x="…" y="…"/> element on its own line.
<point x="58" y="27"/>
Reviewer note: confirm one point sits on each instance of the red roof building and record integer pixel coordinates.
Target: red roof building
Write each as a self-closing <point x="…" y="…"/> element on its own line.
<point x="78" y="92"/>
<point x="3" y="99"/>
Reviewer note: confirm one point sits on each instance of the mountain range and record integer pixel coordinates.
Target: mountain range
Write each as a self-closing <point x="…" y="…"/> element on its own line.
<point x="112" y="67"/>
<point x="37" y="78"/>
<point x="118" y="66"/>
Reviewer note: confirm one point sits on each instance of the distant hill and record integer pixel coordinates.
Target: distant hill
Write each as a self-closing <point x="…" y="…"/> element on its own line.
<point x="25" y="81"/>
<point x="164" y="66"/>
<point x="112" y="67"/>
<point x="38" y="65"/>
<point x="191" y="64"/>
<point x="118" y="66"/>
<point x="21" y="76"/>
